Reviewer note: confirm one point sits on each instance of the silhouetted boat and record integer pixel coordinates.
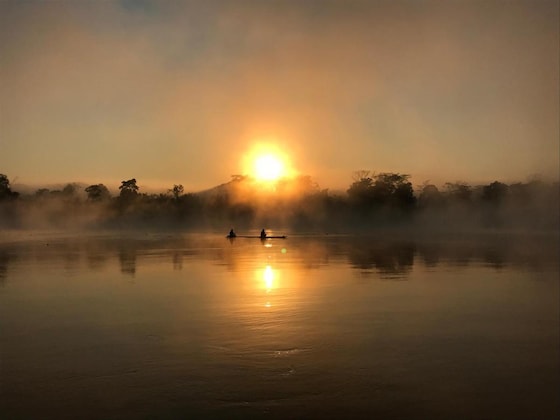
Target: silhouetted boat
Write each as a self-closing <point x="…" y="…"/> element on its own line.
<point x="257" y="237"/>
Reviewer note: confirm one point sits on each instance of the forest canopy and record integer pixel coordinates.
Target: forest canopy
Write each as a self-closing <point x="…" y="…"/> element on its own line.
<point x="372" y="201"/>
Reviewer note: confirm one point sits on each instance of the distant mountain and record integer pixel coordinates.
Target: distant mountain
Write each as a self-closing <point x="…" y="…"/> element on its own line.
<point x="248" y="189"/>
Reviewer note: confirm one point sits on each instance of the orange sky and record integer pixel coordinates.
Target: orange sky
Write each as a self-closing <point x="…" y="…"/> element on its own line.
<point x="180" y="92"/>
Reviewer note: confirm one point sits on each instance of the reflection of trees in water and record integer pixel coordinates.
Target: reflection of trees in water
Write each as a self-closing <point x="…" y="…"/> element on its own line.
<point x="460" y="254"/>
<point x="389" y="260"/>
<point x="430" y="254"/>
<point x="495" y="257"/>
<point x="498" y="251"/>
<point x="96" y="261"/>
<point x="177" y="261"/>
<point x="389" y="257"/>
<point x="397" y="258"/>
<point x="71" y="257"/>
<point x="4" y="261"/>
<point x="393" y="258"/>
<point x="97" y="255"/>
<point x="457" y="254"/>
<point x="229" y="255"/>
<point x="127" y="259"/>
<point x="315" y="254"/>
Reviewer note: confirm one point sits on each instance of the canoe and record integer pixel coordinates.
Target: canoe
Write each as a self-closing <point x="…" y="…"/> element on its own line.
<point x="256" y="237"/>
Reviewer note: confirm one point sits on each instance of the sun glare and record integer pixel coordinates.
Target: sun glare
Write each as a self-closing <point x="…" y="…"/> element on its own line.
<point x="267" y="163"/>
<point x="268" y="277"/>
<point x="268" y="168"/>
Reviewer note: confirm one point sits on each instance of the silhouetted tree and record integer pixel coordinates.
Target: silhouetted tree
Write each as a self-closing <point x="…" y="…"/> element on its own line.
<point x="404" y="196"/>
<point x="238" y="178"/>
<point x="4" y="183"/>
<point x="97" y="192"/>
<point x="177" y="191"/>
<point x="42" y="192"/>
<point x="70" y="192"/>
<point x="494" y="192"/>
<point x="361" y="190"/>
<point x="386" y="188"/>
<point x="395" y="189"/>
<point x="429" y="196"/>
<point x="129" y="189"/>
<point x="361" y="174"/>
<point x="520" y="193"/>
<point x="306" y="185"/>
<point x="459" y="191"/>
<point x="5" y="189"/>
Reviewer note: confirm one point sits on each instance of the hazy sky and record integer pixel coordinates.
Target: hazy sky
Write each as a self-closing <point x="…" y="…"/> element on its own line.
<point x="175" y="92"/>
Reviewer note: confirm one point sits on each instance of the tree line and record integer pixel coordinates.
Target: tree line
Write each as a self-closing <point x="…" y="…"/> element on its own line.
<point x="372" y="201"/>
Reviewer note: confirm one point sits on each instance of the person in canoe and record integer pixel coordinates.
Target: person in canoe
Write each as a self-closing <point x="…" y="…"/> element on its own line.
<point x="231" y="234"/>
<point x="263" y="234"/>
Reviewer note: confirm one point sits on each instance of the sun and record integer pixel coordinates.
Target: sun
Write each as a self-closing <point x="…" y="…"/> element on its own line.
<point x="268" y="167"/>
<point x="267" y="163"/>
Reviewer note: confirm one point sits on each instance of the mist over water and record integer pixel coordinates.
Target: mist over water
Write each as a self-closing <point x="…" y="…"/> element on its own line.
<point x="163" y="325"/>
<point x="372" y="203"/>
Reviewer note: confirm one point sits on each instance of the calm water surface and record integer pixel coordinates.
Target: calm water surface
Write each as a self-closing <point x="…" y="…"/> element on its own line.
<point x="196" y="326"/>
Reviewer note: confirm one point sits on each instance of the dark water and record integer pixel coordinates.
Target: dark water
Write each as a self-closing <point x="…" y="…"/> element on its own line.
<point x="193" y="326"/>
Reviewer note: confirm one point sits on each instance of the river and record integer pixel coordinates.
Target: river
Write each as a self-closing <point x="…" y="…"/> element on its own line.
<point x="158" y="325"/>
